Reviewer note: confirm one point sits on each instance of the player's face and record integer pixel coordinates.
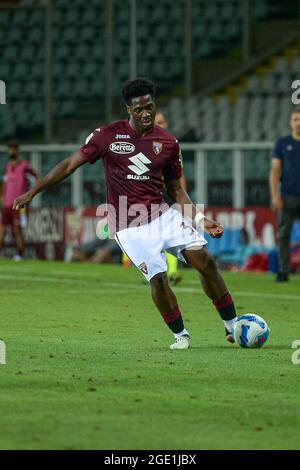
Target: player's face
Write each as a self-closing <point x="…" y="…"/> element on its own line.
<point x="161" y="121"/>
<point x="12" y="152"/>
<point x="295" y="123"/>
<point x="142" y="112"/>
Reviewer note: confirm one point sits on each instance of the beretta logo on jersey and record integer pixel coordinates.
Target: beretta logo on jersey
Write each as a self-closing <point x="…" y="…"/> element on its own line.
<point x="122" y="147"/>
<point x="157" y="147"/>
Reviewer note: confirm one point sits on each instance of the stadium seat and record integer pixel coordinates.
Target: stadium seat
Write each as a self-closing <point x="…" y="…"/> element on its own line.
<point x="5" y="18"/>
<point x="28" y="53"/>
<point x="70" y="71"/>
<point x="63" y="89"/>
<point x="36" y="36"/>
<point x="69" y="36"/>
<point x="58" y="16"/>
<point x="89" y="35"/>
<point x="67" y="108"/>
<point x="36" y="71"/>
<point x="63" y="52"/>
<point x="78" y="65"/>
<point x="71" y="18"/>
<point x="81" y="88"/>
<point x="36" y="17"/>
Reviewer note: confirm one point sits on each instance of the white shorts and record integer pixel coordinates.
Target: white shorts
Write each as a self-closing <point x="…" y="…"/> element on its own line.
<point x="144" y="245"/>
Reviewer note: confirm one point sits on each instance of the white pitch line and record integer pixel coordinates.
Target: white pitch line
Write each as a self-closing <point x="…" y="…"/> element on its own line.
<point x="42" y="279"/>
<point x="246" y="294"/>
<point x="115" y="285"/>
<point x="57" y="280"/>
<point x="75" y="273"/>
<point x="15" y="269"/>
<point x="268" y="296"/>
<point x="57" y="272"/>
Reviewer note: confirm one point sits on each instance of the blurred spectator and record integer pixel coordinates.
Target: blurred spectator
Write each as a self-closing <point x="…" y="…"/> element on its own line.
<point x="295" y="247"/>
<point x="294" y="252"/>
<point x="285" y="190"/>
<point x="102" y="249"/>
<point x="15" y="182"/>
<point x="97" y="251"/>
<point x="189" y="136"/>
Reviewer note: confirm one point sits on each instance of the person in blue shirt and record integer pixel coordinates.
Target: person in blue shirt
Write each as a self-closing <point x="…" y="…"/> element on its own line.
<point x="285" y="190"/>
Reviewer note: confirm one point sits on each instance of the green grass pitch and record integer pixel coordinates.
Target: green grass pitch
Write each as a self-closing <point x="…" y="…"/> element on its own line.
<point x="89" y="366"/>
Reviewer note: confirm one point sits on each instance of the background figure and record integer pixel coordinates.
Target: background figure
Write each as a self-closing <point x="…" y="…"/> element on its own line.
<point x="294" y="252"/>
<point x="285" y="169"/>
<point x="173" y="274"/>
<point x="15" y="182"/>
<point x="102" y="249"/>
<point x="97" y="251"/>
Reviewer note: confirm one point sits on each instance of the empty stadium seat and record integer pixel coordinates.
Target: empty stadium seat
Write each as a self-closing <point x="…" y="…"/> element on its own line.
<point x="79" y="56"/>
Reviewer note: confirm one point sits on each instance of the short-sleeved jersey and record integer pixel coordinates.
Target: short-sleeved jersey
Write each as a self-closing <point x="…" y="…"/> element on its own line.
<point x="134" y="168"/>
<point x="287" y="149"/>
<point x="16" y="181"/>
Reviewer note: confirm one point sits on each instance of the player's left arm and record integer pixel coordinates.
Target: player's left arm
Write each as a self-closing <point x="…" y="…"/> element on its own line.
<point x="2" y="190"/>
<point x="183" y="182"/>
<point x="31" y="171"/>
<point x="61" y="171"/>
<point x="180" y="197"/>
<point x="172" y="175"/>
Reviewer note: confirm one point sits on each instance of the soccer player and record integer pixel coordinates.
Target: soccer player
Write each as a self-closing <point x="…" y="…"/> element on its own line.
<point x="161" y="120"/>
<point x="285" y="190"/>
<point x="15" y="182"/>
<point x="137" y="155"/>
<point x="172" y="261"/>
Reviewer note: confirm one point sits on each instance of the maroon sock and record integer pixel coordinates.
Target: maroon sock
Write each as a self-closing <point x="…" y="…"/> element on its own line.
<point x="225" y="307"/>
<point x="174" y="319"/>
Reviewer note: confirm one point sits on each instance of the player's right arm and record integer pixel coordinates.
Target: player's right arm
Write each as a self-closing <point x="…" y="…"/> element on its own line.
<point x="274" y="179"/>
<point x="275" y="175"/>
<point x="2" y="189"/>
<point x="1" y="193"/>
<point x="61" y="171"/>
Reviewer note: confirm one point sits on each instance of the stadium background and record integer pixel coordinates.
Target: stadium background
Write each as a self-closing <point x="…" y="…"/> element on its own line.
<point x="88" y="364"/>
<point x="224" y="73"/>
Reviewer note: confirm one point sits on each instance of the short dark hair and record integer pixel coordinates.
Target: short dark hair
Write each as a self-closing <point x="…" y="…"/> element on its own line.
<point x="13" y="143"/>
<point x="137" y="87"/>
<point x="295" y="110"/>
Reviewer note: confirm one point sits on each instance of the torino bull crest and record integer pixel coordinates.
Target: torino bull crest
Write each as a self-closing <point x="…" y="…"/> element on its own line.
<point x="157" y="147"/>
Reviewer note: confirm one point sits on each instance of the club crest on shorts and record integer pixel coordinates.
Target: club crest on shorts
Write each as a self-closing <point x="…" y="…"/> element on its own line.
<point x="143" y="268"/>
<point x="157" y="147"/>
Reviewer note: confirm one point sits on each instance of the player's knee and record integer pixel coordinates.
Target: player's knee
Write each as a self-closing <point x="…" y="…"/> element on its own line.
<point x="159" y="282"/>
<point x="206" y="263"/>
<point x="16" y="231"/>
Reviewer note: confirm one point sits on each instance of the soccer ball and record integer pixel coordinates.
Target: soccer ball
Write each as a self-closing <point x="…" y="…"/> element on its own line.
<point x="250" y="331"/>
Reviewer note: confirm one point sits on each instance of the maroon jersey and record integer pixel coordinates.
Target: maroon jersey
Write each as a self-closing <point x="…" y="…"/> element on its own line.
<point x="135" y="168"/>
